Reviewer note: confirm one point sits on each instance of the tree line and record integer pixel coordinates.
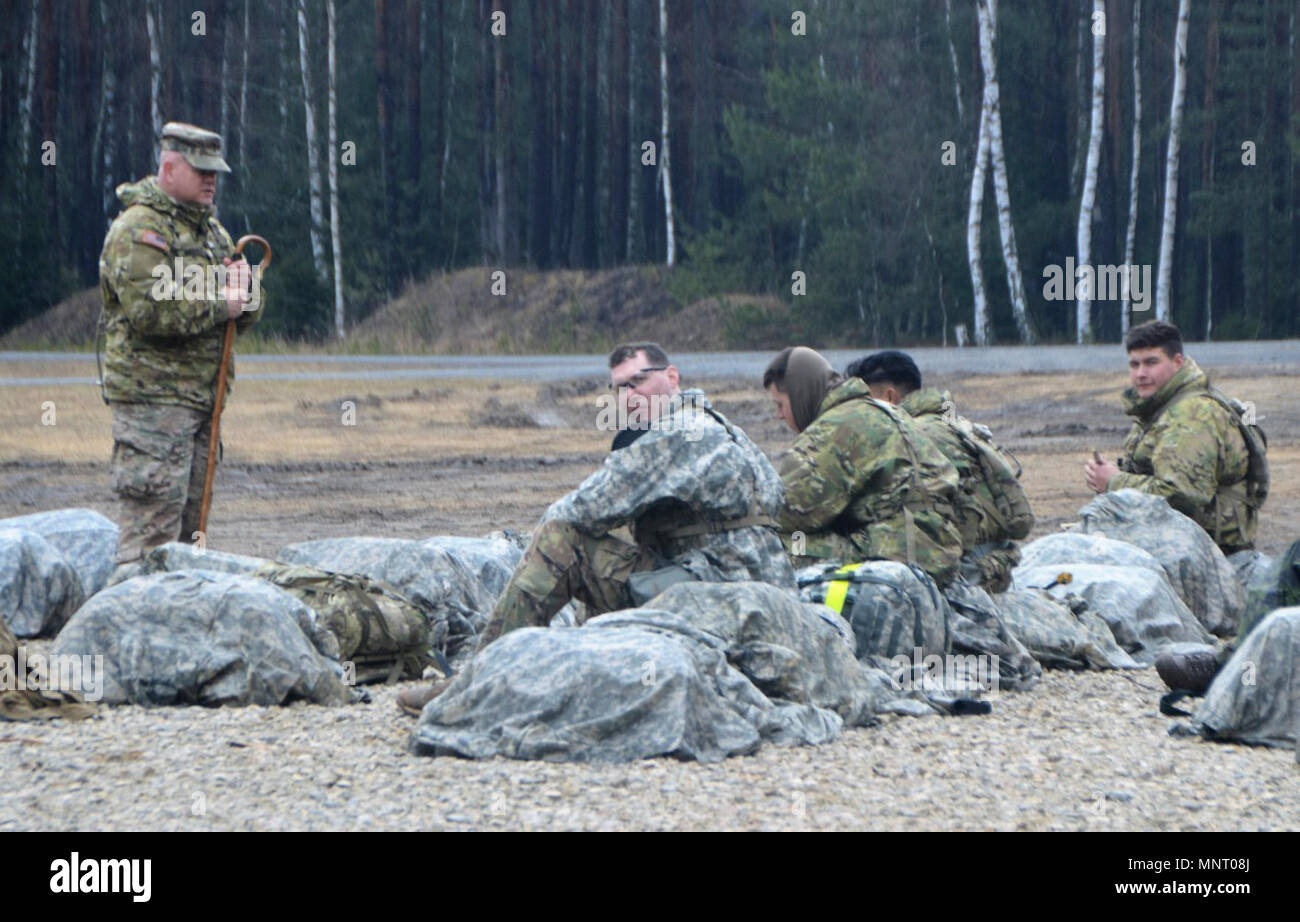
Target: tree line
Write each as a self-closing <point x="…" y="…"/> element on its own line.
<point x="896" y="171"/>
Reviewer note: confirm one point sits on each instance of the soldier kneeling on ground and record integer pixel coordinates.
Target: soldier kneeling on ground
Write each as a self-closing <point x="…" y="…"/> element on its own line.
<point x="992" y="509"/>
<point x="685" y="495"/>
<point x="862" y="481"/>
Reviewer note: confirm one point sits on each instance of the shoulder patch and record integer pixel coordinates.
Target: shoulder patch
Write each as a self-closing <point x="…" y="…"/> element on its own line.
<point x="153" y="239"/>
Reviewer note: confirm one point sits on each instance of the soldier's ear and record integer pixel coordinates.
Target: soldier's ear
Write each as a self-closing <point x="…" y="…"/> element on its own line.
<point x="1178" y="360"/>
<point x="673" y="377"/>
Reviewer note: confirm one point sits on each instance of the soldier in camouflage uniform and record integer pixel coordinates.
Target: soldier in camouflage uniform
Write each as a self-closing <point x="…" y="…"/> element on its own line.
<point x="169" y="285"/>
<point x="989" y="552"/>
<point x="1184" y="444"/>
<point x="862" y="481"/>
<point x="685" y="493"/>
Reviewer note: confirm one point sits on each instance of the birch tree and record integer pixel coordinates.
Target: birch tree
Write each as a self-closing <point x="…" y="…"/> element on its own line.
<point x="335" y="244"/>
<point x="1083" y="236"/>
<point x="313" y="157"/>
<point x="988" y="23"/>
<point x="155" y="68"/>
<point x="102" y="149"/>
<point x="29" y="85"/>
<point x="974" y="224"/>
<point x="1171" y="164"/>
<point x="665" y="172"/>
<point x="956" y="72"/>
<point x="243" y="93"/>
<point x="1131" y="233"/>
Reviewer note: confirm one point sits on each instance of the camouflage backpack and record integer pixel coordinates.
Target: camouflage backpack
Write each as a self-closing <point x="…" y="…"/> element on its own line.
<point x="1256" y="446"/>
<point x="35" y="703"/>
<point x="894" y="608"/>
<point x="382" y="633"/>
<point x="1001" y="474"/>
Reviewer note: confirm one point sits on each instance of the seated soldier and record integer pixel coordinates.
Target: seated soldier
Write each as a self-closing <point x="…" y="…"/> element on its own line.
<point x="992" y="509"/>
<point x="862" y="482"/>
<point x="689" y="494"/>
<point x="1186" y="443"/>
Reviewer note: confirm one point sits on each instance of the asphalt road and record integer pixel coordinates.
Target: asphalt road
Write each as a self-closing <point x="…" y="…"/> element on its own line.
<point x="19" y="369"/>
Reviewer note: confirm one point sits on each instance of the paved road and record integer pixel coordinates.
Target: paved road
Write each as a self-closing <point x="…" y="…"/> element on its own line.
<point x="1283" y="355"/>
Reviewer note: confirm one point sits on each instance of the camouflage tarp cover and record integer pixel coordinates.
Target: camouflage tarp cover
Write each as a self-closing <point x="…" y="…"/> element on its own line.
<point x="1255" y="698"/>
<point x="1195" y="566"/>
<point x="1071" y="547"/>
<point x="1057" y="635"/>
<point x="1275" y="585"/>
<point x="491" y="559"/>
<point x="625" y="686"/>
<point x="435" y="578"/>
<point x="177" y="555"/>
<point x="1144" y="614"/>
<point x="39" y="589"/>
<point x="893" y="608"/>
<point x="86" y="539"/>
<point x="199" y="637"/>
<point x="978" y="629"/>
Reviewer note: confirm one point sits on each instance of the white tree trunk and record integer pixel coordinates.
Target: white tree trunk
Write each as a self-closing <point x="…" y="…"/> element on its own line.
<point x="1171" y="165"/>
<point x="446" y="134"/>
<point x="225" y="81"/>
<point x="956" y="72"/>
<point x="335" y="245"/>
<point x="29" y="87"/>
<point x="155" y="68"/>
<point x="1130" y="235"/>
<point x="633" y="199"/>
<point x="974" y="224"/>
<point x="988" y="13"/>
<point x="665" y="171"/>
<point x="313" y="157"/>
<point x="1084" y="295"/>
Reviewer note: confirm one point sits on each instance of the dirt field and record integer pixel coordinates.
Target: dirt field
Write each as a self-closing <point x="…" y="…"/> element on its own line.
<point x="410" y="459"/>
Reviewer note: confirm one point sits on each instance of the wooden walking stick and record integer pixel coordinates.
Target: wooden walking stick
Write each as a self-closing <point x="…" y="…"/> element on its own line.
<point x="214" y="435"/>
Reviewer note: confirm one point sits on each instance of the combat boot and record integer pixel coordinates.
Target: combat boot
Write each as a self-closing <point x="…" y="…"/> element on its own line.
<point x="412" y="700"/>
<point x="1190" y="669"/>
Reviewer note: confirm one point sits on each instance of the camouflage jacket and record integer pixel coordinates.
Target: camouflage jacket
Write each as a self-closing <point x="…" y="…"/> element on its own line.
<point x="1188" y="448"/>
<point x="863" y="482"/>
<point x="163" y="349"/>
<point x="691" y="467"/>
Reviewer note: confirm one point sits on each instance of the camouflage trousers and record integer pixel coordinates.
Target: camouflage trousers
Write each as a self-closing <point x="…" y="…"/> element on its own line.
<point x="160" y="455"/>
<point x="562" y="563"/>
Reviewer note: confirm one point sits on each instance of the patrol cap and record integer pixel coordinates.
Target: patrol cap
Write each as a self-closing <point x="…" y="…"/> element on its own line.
<point x="200" y="148"/>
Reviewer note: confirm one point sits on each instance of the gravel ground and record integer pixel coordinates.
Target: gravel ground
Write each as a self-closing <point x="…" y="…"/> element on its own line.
<point x="1082" y="751"/>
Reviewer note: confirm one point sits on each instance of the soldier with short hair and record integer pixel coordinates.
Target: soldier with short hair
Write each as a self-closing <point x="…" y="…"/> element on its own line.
<point x="685" y="495"/>
<point x="169" y="285"/>
<point x="992" y="509"/>
<point x="1186" y="443"/>
<point x="862" y="481"/>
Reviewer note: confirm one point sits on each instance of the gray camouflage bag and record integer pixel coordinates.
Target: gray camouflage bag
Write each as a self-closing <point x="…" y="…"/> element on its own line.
<point x="894" y="609"/>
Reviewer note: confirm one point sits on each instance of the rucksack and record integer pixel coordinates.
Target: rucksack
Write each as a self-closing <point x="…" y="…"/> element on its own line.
<point x="894" y="608"/>
<point x="1256" y="446"/>
<point x="1001" y="473"/>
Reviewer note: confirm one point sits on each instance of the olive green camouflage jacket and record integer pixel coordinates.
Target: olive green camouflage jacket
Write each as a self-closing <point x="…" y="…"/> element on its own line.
<point x="1188" y="448"/>
<point x="863" y="482"/>
<point x="927" y="407"/>
<point x="164" y="349"/>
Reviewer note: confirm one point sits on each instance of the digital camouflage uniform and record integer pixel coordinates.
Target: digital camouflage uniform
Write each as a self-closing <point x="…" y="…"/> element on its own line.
<point x="160" y="361"/>
<point x="1188" y="448"/>
<point x="863" y="482"/>
<point x="691" y="468"/>
<point x="989" y="553"/>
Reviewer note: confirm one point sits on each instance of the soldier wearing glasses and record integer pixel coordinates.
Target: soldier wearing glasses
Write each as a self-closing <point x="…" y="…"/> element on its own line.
<point x="685" y="495"/>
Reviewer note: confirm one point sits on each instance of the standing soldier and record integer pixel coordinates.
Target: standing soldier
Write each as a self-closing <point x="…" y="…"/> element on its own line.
<point x="169" y="285"/>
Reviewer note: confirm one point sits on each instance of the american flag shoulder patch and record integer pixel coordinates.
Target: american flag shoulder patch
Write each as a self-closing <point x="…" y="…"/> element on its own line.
<point x="153" y="239"/>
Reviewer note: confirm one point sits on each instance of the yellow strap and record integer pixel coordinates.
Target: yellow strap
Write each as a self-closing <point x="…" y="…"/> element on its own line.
<point x="838" y="590"/>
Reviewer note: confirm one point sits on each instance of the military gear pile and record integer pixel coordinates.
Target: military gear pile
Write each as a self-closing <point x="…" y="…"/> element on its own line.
<point x="1194" y="566"/>
<point x="655" y="681"/>
<point x="1276" y="586"/>
<point x="381" y="633"/>
<point x="201" y="637"/>
<point x="1061" y="634"/>
<point x="86" y="539"/>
